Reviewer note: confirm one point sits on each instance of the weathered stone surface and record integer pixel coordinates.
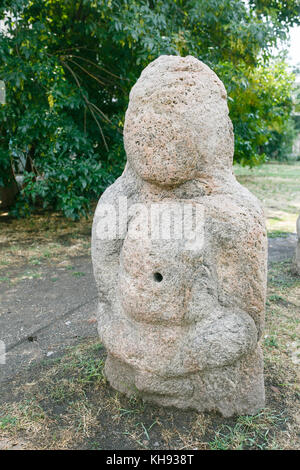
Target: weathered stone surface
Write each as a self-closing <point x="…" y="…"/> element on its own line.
<point x="181" y="318"/>
<point x="297" y="258"/>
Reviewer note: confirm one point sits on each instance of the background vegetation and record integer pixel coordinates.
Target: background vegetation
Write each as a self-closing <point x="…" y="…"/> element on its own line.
<point x="68" y="66"/>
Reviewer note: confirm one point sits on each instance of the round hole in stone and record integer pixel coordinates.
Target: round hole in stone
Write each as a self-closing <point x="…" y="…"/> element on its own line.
<point x="32" y="338"/>
<point x="157" y="277"/>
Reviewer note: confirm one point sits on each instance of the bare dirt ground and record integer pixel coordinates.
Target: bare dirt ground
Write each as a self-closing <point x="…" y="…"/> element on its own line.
<point x="53" y="394"/>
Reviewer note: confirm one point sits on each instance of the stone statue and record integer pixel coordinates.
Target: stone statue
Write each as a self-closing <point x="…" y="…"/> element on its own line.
<point x="181" y="308"/>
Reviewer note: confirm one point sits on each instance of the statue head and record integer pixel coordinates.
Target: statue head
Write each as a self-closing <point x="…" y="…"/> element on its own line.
<point x="177" y="126"/>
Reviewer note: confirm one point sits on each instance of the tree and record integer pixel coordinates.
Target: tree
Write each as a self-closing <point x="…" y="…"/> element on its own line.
<point x="262" y="114"/>
<point x="68" y="66"/>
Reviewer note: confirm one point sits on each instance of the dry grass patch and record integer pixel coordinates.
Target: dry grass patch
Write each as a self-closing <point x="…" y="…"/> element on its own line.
<point x="42" y="238"/>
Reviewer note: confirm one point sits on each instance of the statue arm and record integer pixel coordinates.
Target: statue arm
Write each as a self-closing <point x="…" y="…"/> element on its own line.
<point x="108" y="234"/>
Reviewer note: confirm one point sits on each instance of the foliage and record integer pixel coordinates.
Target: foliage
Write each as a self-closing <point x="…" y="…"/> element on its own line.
<point x="261" y="114"/>
<point x="68" y="66"/>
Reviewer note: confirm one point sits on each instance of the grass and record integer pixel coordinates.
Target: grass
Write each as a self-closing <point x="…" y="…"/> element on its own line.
<point x="43" y="238"/>
<point x="277" y="187"/>
<point x="248" y="432"/>
<point x="66" y="403"/>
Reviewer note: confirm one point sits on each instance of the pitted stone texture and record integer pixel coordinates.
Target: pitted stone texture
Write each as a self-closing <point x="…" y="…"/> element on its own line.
<point x="297" y="259"/>
<point x="177" y="119"/>
<point x="181" y="325"/>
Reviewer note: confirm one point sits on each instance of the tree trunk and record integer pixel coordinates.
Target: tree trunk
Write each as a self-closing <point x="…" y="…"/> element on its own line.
<point x="8" y="193"/>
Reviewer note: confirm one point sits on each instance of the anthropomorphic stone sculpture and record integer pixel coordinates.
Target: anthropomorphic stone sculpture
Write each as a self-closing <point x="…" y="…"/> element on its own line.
<point x="181" y="315"/>
<point x="297" y="258"/>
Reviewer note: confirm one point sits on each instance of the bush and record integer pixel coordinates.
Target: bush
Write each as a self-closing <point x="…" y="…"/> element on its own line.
<point x="68" y="68"/>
